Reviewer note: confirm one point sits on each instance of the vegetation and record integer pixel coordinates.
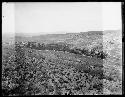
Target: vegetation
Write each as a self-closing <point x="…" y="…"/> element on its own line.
<point x="63" y="47"/>
<point x="34" y="68"/>
<point x="31" y="74"/>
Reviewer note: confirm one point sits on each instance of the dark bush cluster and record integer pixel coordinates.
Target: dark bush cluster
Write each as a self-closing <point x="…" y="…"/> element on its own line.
<point x="51" y="46"/>
<point x="65" y="47"/>
<point x="91" y="53"/>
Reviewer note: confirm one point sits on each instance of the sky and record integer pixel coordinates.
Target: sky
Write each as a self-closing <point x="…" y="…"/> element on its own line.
<point x="51" y="18"/>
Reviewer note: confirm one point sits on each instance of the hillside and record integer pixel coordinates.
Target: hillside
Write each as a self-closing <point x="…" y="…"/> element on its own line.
<point x="47" y="71"/>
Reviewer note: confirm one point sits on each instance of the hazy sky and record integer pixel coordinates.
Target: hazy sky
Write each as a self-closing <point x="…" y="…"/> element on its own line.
<point x="53" y="17"/>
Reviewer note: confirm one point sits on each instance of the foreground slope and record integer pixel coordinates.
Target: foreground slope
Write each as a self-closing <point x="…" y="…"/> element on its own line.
<point x="49" y="72"/>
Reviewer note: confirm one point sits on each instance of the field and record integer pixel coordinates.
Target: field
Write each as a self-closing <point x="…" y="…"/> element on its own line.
<point x="82" y="65"/>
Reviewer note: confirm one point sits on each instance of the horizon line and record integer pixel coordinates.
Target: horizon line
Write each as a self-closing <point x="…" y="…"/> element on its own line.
<point x="63" y="32"/>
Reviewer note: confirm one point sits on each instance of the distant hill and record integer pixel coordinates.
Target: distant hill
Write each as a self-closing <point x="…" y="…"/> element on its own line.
<point x="80" y="40"/>
<point x="71" y="38"/>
